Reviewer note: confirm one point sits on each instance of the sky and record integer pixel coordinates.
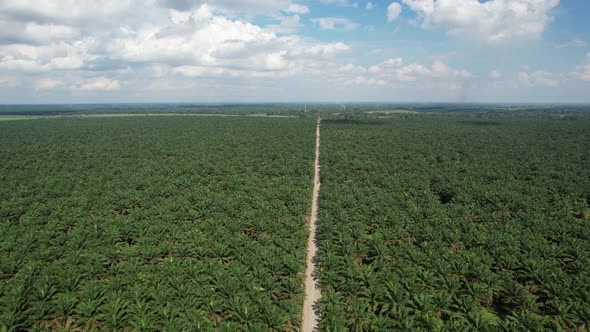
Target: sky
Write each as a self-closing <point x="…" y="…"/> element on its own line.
<point x="114" y="51"/>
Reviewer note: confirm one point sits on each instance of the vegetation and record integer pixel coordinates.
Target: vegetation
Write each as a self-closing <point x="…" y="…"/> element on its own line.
<point x="462" y="222"/>
<point x="431" y="218"/>
<point x="153" y="223"/>
<point x="18" y="117"/>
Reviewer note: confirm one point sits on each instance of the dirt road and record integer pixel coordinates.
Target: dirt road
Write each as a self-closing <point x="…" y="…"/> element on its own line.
<point x="311" y="314"/>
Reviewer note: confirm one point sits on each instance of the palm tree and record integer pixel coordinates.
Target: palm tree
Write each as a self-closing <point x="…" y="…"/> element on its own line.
<point x="359" y="316"/>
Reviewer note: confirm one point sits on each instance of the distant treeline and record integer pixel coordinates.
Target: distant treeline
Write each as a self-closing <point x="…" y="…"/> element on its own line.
<point x="296" y="109"/>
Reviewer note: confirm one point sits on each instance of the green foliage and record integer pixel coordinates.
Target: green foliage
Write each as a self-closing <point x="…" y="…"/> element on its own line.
<point x="455" y="222"/>
<point x="154" y="223"/>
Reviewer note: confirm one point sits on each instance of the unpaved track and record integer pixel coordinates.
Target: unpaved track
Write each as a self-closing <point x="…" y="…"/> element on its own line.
<point x="311" y="312"/>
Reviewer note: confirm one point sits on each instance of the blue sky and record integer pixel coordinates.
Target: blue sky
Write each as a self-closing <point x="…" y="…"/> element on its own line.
<point x="85" y="51"/>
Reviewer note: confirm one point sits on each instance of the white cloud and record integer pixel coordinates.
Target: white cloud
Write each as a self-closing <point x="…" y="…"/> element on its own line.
<point x="343" y="3"/>
<point x="9" y="82"/>
<point x="66" y="11"/>
<point x="211" y="44"/>
<point x="494" y="74"/>
<point x="394" y="70"/>
<point x="351" y="69"/>
<point x="100" y="84"/>
<point x="364" y="81"/>
<point x="297" y="9"/>
<point x="338" y="2"/>
<point x="411" y="72"/>
<point x="493" y="21"/>
<point x="212" y="72"/>
<point x="441" y="69"/>
<point x="200" y="71"/>
<point x="239" y="7"/>
<point x="48" y="32"/>
<point x="288" y="24"/>
<point x="334" y="23"/>
<point x="173" y="44"/>
<point x="48" y="84"/>
<point x="540" y="78"/>
<point x="576" y="42"/>
<point x="204" y="39"/>
<point x="177" y="17"/>
<point x="583" y="71"/>
<point x="325" y="50"/>
<point x="387" y="64"/>
<point x="10" y="63"/>
<point x="43" y="58"/>
<point x="198" y="49"/>
<point x="393" y="11"/>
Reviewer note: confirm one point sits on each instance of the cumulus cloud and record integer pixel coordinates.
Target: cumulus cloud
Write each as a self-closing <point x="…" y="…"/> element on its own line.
<point x="297" y="9"/>
<point x="338" y="2"/>
<point x="395" y="70"/>
<point x="287" y="25"/>
<point x="540" y="78"/>
<point x="240" y="7"/>
<point x="201" y="49"/>
<point x="203" y="38"/>
<point x="323" y="50"/>
<point x="494" y="74"/>
<point x="16" y="32"/>
<point x="387" y="64"/>
<point x="41" y="33"/>
<point x="441" y="69"/>
<point x="207" y="44"/>
<point x="66" y="12"/>
<point x="43" y="58"/>
<point x="198" y="42"/>
<point x="334" y="23"/>
<point x="493" y="21"/>
<point x="48" y="84"/>
<point x="583" y="71"/>
<point x="393" y="11"/>
<point x="100" y="84"/>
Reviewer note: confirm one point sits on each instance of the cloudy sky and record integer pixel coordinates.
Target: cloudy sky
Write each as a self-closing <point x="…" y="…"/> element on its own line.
<point x="83" y="51"/>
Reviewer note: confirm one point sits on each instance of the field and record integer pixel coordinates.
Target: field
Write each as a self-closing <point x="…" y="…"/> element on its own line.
<point x="431" y="218"/>
<point x="18" y="117"/>
<point x="154" y="223"/>
<point x="126" y="115"/>
<point x="455" y="222"/>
